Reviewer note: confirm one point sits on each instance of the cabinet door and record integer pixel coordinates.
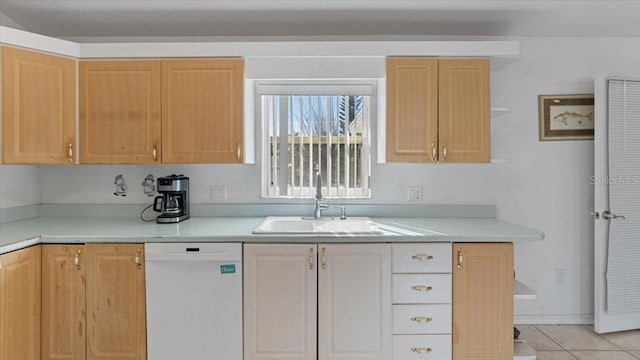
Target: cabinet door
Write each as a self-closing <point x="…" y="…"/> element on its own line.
<point x="412" y="109"/>
<point x="20" y="291"/>
<point x="116" y="322"/>
<point x="38" y="108"/>
<point x="464" y="110"/>
<point x="280" y="306"/>
<point x="120" y="112"/>
<point x="63" y="302"/>
<point x="483" y="301"/>
<point x="202" y="103"/>
<point x="354" y="302"/>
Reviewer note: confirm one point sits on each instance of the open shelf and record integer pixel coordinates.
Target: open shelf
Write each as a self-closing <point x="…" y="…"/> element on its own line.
<point x="522" y="291"/>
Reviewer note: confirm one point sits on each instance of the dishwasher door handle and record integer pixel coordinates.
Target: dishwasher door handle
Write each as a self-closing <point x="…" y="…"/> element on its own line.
<point x="221" y="257"/>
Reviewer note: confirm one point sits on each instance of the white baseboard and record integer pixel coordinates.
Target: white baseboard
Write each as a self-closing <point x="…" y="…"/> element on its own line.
<point x="553" y="319"/>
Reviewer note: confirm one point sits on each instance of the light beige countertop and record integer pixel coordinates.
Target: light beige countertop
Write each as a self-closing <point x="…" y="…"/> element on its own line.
<point x="18" y="234"/>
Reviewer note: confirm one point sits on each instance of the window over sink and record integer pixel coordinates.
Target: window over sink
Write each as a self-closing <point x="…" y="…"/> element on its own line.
<point x="311" y="126"/>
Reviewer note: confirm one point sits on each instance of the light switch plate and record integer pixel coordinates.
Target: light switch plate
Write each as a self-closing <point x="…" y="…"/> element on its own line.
<point x="414" y="193"/>
<point x="218" y="193"/>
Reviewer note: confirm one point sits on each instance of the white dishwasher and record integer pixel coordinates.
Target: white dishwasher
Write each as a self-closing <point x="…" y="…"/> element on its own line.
<point x="194" y="301"/>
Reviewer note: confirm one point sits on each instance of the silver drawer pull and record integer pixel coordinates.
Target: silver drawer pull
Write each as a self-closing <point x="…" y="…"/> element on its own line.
<point x="421" y="350"/>
<point x="421" y="288"/>
<point x="422" y="257"/>
<point x="421" y="319"/>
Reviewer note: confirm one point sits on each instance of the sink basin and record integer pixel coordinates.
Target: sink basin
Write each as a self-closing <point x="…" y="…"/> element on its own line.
<point x="301" y="225"/>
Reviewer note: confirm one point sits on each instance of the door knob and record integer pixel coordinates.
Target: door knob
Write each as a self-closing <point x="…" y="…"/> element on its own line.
<point x="607" y="215"/>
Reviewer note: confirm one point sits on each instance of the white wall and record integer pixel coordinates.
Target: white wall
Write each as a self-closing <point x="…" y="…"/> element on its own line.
<point x="19" y="186"/>
<point x="545" y="185"/>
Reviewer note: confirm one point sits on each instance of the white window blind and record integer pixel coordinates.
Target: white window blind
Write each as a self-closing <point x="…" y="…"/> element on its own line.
<point x="623" y="263"/>
<point x="309" y="127"/>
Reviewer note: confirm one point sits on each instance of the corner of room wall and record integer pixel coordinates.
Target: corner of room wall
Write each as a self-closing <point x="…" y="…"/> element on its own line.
<point x="19" y="186"/>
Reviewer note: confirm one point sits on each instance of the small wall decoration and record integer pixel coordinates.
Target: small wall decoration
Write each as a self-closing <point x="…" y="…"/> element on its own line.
<point x="148" y="185"/>
<point x="120" y="185"/>
<point x="566" y="117"/>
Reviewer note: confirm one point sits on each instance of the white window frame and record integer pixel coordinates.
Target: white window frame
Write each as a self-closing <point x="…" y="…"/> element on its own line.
<point x="316" y="87"/>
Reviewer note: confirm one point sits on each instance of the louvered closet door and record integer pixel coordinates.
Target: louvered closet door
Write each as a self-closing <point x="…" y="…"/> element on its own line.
<point x="618" y="305"/>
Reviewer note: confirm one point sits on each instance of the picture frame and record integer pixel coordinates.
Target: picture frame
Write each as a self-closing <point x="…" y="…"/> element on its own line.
<point x="566" y="117"/>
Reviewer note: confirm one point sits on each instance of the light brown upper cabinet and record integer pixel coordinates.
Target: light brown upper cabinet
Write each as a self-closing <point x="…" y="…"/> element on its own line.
<point x="202" y="103"/>
<point x="120" y="112"/>
<point x="483" y="301"/>
<point x="438" y="110"/>
<point x="38" y="108"/>
<point x="161" y="111"/>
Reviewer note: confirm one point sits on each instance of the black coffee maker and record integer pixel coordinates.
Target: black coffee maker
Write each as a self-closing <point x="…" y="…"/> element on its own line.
<point x="173" y="204"/>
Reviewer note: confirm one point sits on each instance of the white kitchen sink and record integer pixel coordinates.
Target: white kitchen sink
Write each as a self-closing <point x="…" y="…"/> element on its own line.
<point x="329" y="225"/>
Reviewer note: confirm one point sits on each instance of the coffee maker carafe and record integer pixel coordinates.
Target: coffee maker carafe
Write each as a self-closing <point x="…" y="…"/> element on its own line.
<point x="173" y="204"/>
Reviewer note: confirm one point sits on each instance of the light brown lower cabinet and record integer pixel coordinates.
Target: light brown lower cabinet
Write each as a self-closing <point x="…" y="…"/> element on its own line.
<point x="482" y="301"/>
<point x="20" y="304"/>
<point x="109" y="279"/>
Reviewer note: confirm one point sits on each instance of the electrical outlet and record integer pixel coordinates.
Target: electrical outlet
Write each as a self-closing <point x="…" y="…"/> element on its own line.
<point x="218" y="193"/>
<point x="559" y="277"/>
<point x="414" y="193"/>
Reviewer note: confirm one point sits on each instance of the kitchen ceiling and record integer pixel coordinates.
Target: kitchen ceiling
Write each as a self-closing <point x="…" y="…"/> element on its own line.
<point x="103" y="20"/>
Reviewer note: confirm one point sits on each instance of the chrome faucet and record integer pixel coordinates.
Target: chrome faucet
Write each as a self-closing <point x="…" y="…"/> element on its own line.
<point x="319" y="204"/>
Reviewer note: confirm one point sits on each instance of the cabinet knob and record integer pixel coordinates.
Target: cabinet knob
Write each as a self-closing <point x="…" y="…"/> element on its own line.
<point x="154" y="152"/>
<point x="444" y="152"/>
<point x="434" y="151"/>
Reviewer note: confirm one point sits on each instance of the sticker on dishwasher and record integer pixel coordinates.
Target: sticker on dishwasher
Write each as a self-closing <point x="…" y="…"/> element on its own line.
<point x="228" y="269"/>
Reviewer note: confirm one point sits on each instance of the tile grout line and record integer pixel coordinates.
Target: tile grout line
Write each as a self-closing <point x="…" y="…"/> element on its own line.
<point x="550" y="338"/>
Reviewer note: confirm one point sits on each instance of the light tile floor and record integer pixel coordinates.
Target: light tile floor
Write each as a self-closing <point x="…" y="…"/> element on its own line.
<point x="580" y="342"/>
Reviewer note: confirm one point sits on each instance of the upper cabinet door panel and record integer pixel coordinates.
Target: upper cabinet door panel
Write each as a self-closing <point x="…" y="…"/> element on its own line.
<point x="38" y="108"/>
<point x="464" y="110"/>
<point x="120" y="112"/>
<point x="202" y="103"/>
<point x="412" y="109"/>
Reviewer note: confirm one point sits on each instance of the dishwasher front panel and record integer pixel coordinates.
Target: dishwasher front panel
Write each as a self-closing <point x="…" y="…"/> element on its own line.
<point x="194" y="301"/>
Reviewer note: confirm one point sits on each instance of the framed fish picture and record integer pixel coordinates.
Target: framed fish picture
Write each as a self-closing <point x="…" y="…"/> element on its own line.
<point x="566" y="117"/>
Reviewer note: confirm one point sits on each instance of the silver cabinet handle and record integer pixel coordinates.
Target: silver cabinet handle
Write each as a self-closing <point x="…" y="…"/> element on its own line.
<point x="70" y="152"/>
<point x="239" y="150"/>
<point x="444" y="151"/>
<point x="607" y="215"/>
<point x="421" y="288"/>
<point x="154" y="152"/>
<point x="311" y="260"/>
<point x="434" y="151"/>
<point x="324" y="258"/>
<point x="421" y="319"/>
<point x="459" y="258"/>
<point x="76" y="259"/>
<point x="421" y="257"/>
<point x="136" y="260"/>
<point x="421" y="350"/>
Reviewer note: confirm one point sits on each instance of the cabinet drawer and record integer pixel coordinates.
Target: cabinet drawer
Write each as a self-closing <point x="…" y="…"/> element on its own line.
<point x="422" y="347"/>
<point x="422" y="319"/>
<point x="421" y="288"/>
<point x="421" y="258"/>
